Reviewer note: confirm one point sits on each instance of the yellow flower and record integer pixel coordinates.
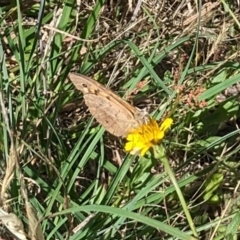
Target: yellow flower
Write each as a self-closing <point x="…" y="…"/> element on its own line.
<point x="146" y="136"/>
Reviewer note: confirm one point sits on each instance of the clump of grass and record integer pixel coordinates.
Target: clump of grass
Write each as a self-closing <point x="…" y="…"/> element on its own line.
<point x="62" y="176"/>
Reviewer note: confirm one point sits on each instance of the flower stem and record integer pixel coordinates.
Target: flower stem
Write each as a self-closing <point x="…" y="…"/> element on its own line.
<point x="159" y="153"/>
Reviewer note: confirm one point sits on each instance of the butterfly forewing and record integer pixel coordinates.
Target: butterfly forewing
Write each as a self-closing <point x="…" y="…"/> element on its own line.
<point x="111" y="111"/>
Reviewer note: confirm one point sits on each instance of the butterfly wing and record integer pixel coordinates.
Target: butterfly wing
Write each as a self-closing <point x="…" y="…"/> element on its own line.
<point x="113" y="119"/>
<point x="111" y="111"/>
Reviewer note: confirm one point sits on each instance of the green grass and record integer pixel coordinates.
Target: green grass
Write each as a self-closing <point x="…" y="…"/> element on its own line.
<point x="59" y="168"/>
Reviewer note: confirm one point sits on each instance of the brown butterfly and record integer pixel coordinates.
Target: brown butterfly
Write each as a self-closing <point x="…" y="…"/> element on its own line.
<point x="116" y="115"/>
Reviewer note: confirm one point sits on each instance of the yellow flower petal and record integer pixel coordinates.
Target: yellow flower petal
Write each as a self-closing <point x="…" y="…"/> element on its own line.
<point x="166" y="124"/>
<point x="128" y="146"/>
<point x="144" y="150"/>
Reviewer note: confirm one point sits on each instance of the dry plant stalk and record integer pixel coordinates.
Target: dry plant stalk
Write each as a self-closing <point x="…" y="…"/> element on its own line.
<point x="9" y="174"/>
<point x="35" y="230"/>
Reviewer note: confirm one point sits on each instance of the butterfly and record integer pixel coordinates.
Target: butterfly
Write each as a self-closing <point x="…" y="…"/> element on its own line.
<point x="116" y="115"/>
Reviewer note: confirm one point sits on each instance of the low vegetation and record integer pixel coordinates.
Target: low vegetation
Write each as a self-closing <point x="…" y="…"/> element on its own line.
<point x="63" y="176"/>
